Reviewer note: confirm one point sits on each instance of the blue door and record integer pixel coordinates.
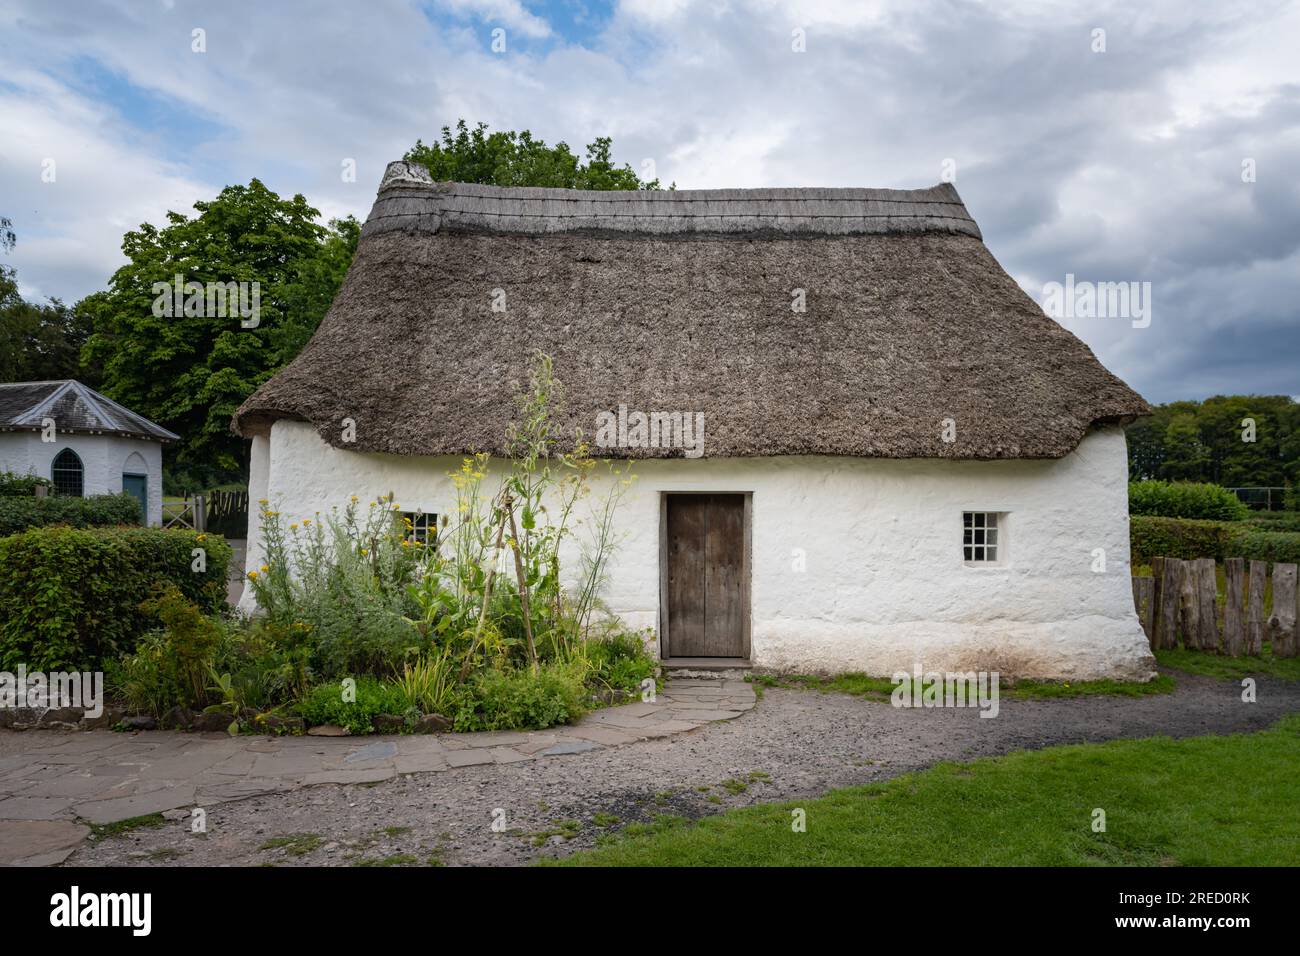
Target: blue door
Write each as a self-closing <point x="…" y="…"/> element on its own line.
<point x="137" y="486"/>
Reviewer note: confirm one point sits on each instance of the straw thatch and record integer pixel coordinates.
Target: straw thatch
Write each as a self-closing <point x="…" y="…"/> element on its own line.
<point x="683" y="302"/>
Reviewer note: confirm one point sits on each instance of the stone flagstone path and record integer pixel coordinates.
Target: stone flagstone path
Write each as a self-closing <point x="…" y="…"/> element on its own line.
<point x="52" y="784"/>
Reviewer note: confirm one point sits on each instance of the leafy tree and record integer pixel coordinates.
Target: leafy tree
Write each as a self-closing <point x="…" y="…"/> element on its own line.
<point x="516" y="159"/>
<point x="1206" y="442"/>
<point x="189" y="372"/>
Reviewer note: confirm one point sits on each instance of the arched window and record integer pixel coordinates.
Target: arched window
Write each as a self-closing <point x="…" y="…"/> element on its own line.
<point x="68" y="474"/>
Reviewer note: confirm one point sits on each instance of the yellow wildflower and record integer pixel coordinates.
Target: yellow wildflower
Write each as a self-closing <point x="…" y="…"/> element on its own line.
<point x="306" y="522"/>
<point x="252" y="574"/>
<point x="265" y="568"/>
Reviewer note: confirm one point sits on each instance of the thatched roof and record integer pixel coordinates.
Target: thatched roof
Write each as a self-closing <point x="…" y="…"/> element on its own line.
<point x="681" y="302"/>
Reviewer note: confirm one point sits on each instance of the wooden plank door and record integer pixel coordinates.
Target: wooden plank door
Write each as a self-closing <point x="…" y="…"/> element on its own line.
<point x="706" y="588"/>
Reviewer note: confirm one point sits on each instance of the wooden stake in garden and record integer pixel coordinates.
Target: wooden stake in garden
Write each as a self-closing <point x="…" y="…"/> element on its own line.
<point x="523" y="583"/>
<point x="1234" y="618"/>
<point x="1207" y="590"/>
<point x="1282" y="623"/>
<point x="1256" y="625"/>
<point x="487" y="595"/>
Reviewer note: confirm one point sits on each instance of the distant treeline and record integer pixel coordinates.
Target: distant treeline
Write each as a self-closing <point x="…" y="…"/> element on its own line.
<point x="1232" y="440"/>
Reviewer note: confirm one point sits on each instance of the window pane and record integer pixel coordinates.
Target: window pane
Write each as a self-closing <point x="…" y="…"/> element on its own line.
<point x="991" y="536"/>
<point x="993" y="519"/>
<point x="66" y="473"/>
<point x="992" y="554"/>
<point x="970" y="553"/>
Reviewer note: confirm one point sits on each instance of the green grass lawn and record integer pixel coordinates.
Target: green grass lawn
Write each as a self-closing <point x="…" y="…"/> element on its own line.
<point x="880" y="688"/>
<point x="1231" y="668"/>
<point x="1201" y="801"/>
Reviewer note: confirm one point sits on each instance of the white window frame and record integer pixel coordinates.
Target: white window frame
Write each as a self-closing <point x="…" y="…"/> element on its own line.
<point x="424" y="527"/>
<point x="984" y="539"/>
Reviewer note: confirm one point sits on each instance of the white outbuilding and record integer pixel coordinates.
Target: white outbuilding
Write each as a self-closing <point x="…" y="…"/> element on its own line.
<point x="860" y="445"/>
<point x="84" y="442"/>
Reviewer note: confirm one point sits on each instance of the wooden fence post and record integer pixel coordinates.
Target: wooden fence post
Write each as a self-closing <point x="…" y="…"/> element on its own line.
<point x="1189" y="607"/>
<point x="1234" y="620"/>
<point x="1207" y="585"/>
<point x="1255" y="623"/>
<point x="1144" y="597"/>
<point x="1282" y="623"/>
<point x="1167" y="614"/>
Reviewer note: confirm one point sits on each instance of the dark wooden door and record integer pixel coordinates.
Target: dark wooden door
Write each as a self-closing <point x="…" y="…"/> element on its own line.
<point x="706" y="588"/>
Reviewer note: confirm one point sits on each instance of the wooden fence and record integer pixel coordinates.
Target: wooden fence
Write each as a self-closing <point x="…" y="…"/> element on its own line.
<point x="1181" y="601"/>
<point x="227" y="513"/>
<point x="187" y="513"/>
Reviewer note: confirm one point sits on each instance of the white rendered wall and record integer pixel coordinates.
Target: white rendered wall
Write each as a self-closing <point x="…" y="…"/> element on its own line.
<point x="104" y="458"/>
<point x="884" y="588"/>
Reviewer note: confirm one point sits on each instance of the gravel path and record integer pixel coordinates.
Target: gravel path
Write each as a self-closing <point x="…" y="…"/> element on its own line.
<point x="795" y="743"/>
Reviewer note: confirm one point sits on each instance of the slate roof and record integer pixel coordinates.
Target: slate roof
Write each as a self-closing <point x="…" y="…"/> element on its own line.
<point x="74" y="408"/>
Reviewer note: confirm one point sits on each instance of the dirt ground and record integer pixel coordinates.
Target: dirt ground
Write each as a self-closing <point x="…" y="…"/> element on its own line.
<point x="796" y="743"/>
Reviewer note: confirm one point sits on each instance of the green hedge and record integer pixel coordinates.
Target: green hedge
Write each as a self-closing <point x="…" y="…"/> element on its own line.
<point x="20" y="513"/>
<point x="1275" y="520"/>
<point x="1184" y="499"/>
<point x="70" y="597"/>
<point x="1150" y="537"/>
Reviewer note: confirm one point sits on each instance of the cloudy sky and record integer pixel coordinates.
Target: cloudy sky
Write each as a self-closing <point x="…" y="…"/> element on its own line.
<point x="1115" y="164"/>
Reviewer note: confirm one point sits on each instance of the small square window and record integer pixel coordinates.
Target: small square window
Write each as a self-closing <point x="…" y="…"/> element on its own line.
<point x="979" y="537"/>
<point x="421" y="527"/>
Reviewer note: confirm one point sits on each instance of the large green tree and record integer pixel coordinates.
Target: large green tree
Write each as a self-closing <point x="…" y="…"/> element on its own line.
<point x="1207" y="441"/>
<point x="190" y="371"/>
<point x="507" y="158"/>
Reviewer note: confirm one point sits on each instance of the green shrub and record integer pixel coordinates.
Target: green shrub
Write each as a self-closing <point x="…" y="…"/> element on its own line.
<point x="71" y="597"/>
<point x="146" y="681"/>
<point x="20" y="486"/>
<point x="619" y="660"/>
<point x="1175" y="538"/>
<point x="1150" y="537"/>
<point x="20" y="513"/>
<point x="1256" y="545"/>
<point x="1275" y="520"/>
<point x="516" y="700"/>
<point x="1184" y="499"/>
<point x="344" y="578"/>
<point x="325" y="705"/>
